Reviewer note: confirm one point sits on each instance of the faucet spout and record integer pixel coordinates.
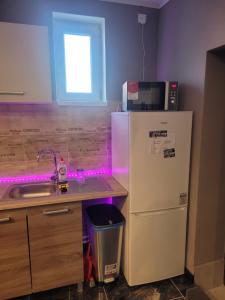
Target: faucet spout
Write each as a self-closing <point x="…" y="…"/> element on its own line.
<point x="53" y="153"/>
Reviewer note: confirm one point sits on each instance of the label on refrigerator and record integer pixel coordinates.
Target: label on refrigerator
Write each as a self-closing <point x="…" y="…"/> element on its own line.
<point x="162" y="143"/>
<point x="169" y="153"/>
<point x="110" y="269"/>
<point x="156" y="146"/>
<point x="158" y="133"/>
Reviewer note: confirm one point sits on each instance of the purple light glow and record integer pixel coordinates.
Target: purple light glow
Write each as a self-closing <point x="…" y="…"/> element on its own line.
<point x="109" y="200"/>
<point x="89" y="173"/>
<point x="47" y="176"/>
<point x="120" y="170"/>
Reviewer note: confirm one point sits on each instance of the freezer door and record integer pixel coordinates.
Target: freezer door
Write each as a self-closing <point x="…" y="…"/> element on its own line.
<point x="159" y="159"/>
<point x="157" y="245"/>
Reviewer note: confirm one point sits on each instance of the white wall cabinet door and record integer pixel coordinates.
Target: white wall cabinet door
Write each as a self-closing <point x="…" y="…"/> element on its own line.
<point x="25" y="75"/>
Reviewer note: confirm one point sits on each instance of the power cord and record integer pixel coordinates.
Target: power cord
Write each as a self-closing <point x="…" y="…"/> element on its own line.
<point x="144" y="52"/>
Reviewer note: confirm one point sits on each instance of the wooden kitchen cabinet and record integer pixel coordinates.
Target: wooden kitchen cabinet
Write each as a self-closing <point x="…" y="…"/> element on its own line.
<point x="25" y="75"/>
<point x="14" y="255"/>
<point x="55" y="236"/>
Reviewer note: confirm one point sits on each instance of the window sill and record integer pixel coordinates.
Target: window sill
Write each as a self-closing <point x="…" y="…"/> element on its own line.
<point x="83" y="103"/>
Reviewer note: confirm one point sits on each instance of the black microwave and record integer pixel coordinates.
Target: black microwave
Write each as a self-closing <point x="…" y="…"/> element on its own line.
<point x="145" y="96"/>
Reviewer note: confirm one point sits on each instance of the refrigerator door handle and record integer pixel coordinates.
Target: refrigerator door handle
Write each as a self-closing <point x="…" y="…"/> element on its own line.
<point x="158" y="212"/>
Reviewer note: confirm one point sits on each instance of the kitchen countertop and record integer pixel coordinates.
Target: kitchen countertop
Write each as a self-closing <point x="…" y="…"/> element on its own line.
<point x="116" y="191"/>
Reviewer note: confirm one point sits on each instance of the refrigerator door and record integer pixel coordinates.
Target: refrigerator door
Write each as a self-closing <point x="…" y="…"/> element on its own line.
<point x="157" y="245"/>
<point x="159" y="159"/>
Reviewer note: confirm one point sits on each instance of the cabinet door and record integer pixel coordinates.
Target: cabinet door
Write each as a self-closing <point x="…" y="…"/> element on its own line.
<point x="14" y="255"/>
<point x="25" y="65"/>
<point x="55" y="235"/>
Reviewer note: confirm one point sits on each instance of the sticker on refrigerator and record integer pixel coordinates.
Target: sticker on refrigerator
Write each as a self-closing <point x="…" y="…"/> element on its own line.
<point x="158" y="133"/>
<point x="110" y="269"/>
<point x="156" y="146"/>
<point x="161" y="140"/>
<point x="169" y="153"/>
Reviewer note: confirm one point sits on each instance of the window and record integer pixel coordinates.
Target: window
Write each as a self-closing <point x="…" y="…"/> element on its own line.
<point x="79" y="57"/>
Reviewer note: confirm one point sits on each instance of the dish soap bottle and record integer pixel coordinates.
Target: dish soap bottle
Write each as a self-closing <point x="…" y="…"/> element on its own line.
<point x="62" y="170"/>
<point x="62" y="176"/>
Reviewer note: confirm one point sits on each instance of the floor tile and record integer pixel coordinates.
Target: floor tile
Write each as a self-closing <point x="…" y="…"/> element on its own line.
<point x="119" y="290"/>
<point x="183" y="283"/>
<point x="166" y="289"/>
<point x="217" y="293"/>
<point x="56" y="294"/>
<point x="196" y="294"/>
<point x="96" y="293"/>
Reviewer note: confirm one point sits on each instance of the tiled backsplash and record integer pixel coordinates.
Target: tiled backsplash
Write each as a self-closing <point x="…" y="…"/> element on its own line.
<point x="82" y="135"/>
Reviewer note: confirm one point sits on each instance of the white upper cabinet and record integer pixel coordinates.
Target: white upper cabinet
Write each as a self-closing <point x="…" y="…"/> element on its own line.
<point x="25" y="75"/>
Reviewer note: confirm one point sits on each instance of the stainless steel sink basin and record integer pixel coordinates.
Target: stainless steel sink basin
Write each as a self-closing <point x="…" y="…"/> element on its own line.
<point x="32" y="190"/>
<point x="91" y="185"/>
<point x="46" y="189"/>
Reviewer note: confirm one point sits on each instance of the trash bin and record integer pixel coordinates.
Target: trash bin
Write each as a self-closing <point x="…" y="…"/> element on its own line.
<point x="105" y="228"/>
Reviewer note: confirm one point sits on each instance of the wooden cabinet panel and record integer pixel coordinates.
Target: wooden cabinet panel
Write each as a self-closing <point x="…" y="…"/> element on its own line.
<point x="55" y="235"/>
<point x="25" y="75"/>
<point x="14" y="255"/>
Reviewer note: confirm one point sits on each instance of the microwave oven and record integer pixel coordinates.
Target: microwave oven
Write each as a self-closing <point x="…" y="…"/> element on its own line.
<point x="145" y="96"/>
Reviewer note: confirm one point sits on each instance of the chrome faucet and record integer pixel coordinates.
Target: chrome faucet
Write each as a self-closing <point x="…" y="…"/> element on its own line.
<point x="54" y="153"/>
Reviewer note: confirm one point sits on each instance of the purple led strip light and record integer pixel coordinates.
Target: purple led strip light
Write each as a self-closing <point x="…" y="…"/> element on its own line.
<point x="109" y="200"/>
<point x="47" y="176"/>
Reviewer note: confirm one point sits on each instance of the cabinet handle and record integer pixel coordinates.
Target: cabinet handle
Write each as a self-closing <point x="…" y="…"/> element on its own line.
<point x="56" y="212"/>
<point x="5" y="220"/>
<point x="12" y="93"/>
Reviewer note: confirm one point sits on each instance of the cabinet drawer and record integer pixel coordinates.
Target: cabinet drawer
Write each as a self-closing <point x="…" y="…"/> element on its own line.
<point x="55" y="235"/>
<point x="14" y="255"/>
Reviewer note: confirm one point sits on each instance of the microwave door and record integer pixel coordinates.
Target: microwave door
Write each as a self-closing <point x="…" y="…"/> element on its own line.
<point x="152" y="95"/>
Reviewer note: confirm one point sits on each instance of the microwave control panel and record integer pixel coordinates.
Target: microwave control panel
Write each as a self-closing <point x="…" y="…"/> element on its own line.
<point x="172" y="92"/>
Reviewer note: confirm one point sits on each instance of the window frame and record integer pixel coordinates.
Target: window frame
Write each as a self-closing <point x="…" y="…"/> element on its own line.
<point x="94" y="27"/>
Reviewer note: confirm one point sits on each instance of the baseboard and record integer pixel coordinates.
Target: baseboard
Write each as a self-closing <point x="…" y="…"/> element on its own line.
<point x="196" y="293"/>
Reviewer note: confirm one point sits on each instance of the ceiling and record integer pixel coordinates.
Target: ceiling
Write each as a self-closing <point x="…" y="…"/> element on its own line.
<point x="146" y="3"/>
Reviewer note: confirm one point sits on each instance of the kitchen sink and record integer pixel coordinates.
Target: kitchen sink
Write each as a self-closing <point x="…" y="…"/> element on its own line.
<point x="46" y="189"/>
<point x="32" y="190"/>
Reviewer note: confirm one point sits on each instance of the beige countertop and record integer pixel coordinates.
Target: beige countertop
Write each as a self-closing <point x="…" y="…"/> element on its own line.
<point x="116" y="191"/>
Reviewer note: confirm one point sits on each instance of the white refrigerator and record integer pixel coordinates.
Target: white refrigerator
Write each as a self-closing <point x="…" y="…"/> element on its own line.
<point x="151" y="158"/>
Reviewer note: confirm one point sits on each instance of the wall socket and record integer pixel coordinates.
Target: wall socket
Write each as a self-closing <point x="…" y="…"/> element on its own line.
<point x="142" y="18"/>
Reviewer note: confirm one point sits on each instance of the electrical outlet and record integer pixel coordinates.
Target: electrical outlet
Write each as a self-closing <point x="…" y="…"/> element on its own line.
<point x="142" y="18"/>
